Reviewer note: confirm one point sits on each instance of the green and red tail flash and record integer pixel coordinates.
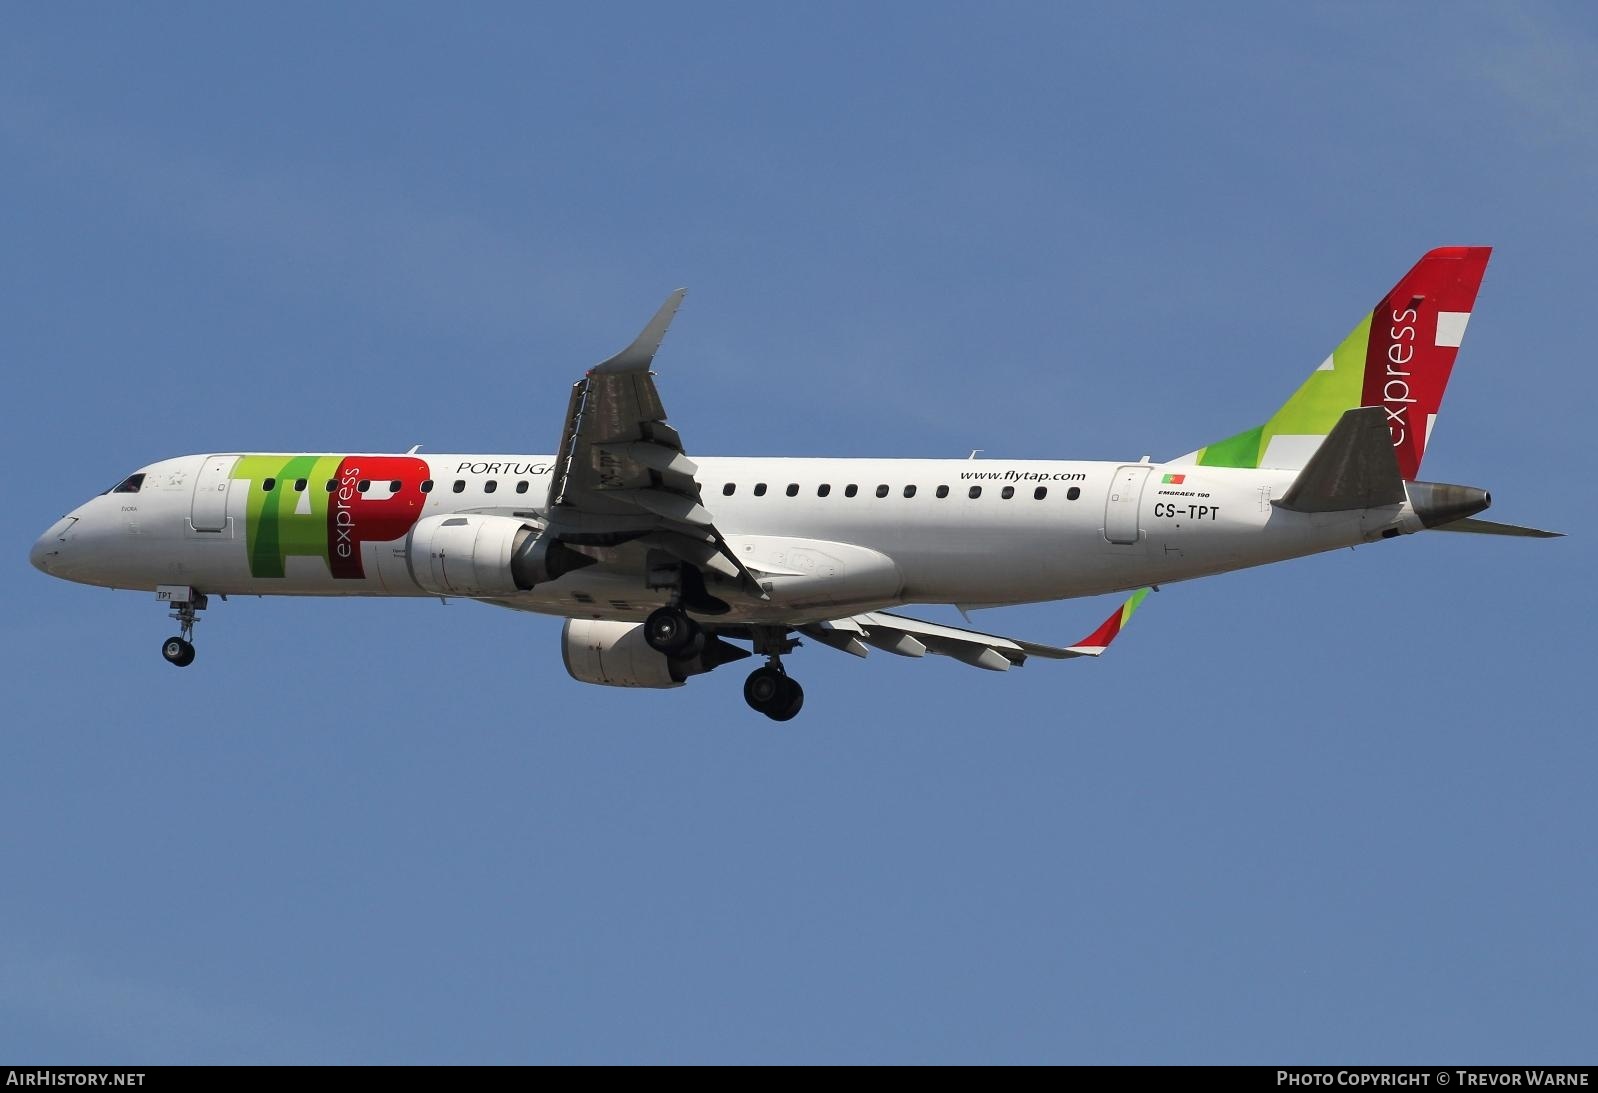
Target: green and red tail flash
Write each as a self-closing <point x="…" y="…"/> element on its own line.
<point x="1399" y="357"/>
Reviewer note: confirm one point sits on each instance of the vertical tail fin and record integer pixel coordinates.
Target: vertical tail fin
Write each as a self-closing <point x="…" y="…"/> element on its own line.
<point x="1399" y="358"/>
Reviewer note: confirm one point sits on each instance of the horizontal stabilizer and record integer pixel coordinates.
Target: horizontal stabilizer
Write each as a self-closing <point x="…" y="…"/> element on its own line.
<point x="1354" y="468"/>
<point x="1488" y="527"/>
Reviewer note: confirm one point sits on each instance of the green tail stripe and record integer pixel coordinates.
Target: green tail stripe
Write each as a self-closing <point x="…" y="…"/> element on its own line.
<point x="1242" y="450"/>
<point x="1312" y="411"/>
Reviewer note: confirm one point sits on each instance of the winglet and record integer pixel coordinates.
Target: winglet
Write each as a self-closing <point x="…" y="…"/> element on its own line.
<point x="638" y="356"/>
<point x="1098" y="641"/>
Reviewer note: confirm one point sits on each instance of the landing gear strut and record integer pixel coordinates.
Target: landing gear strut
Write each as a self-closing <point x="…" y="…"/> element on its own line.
<point x="186" y="605"/>
<point x="770" y="690"/>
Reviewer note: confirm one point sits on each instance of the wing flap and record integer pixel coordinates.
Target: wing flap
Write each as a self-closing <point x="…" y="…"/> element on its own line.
<point x="844" y="635"/>
<point x="909" y="637"/>
<point x="657" y="457"/>
<point x="675" y="507"/>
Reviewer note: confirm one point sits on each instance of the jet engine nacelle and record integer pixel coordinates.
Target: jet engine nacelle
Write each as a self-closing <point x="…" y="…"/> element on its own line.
<point x="477" y="555"/>
<point x="615" y="654"/>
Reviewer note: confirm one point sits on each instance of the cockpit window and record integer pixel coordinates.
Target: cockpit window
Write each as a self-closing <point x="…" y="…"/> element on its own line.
<point x="131" y="484"/>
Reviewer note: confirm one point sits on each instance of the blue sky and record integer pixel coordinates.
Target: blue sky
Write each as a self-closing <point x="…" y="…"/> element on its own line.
<point x="1340" y="809"/>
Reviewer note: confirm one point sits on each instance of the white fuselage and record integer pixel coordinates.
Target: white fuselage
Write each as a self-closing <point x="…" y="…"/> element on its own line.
<point x="826" y="537"/>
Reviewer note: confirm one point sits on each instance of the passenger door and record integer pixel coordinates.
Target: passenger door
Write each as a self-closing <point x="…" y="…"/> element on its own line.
<point x="1120" y="511"/>
<point x="209" y="512"/>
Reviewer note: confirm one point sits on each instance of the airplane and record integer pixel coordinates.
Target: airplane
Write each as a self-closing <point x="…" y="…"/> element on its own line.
<point x="666" y="566"/>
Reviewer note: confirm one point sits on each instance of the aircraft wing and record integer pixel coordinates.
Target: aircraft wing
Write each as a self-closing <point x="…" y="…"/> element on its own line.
<point x="914" y="638"/>
<point x="621" y="473"/>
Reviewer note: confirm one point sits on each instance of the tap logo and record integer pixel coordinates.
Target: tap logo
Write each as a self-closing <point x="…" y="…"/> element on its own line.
<point x="327" y="507"/>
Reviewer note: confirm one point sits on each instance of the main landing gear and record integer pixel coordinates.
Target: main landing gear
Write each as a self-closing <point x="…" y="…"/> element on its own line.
<point x="186" y="604"/>
<point x="770" y="690"/>
<point x="669" y="630"/>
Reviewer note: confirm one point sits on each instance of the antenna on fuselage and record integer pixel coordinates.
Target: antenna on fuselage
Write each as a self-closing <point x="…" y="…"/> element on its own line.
<point x="975" y="452"/>
<point x="414" y="449"/>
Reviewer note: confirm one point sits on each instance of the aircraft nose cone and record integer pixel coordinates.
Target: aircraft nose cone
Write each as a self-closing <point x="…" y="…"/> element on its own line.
<point x="46" y="553"/>
<point x="40" y="554"/>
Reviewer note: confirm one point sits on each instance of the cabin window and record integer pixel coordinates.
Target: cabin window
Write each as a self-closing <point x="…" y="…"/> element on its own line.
<point x="943" y="491"/>
<point x="364" y="484"/>
<point x="460" y="485"/>
<point x="1007" y="493"/>
<point x="727" y="490"/>
<point x="909" y="491"/>
<point x="882" y="490"/>
<point x="329" y="485"/>
<point x="850" y="490"/>
<point x="1040" y="493"/>
<point x="976" y="491"/>
<point x="793" y="489"/>
<point x="521" y="487"/>
<point x="823" y="489"/>
<point x="131" y="484"/>
<point x="1072" y="494"/>
<point x="760" y="489"/>
<point x="490" y="486"/>
<point x="268" y="485"/>
<point x="394" y="486"/>
<point x="299" y="485"/>
<point x="427" y="485"/>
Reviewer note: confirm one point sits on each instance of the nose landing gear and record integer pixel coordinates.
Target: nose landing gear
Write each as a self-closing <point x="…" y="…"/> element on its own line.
<point x="186" y="605"/>
<point x="178" y="651"/>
